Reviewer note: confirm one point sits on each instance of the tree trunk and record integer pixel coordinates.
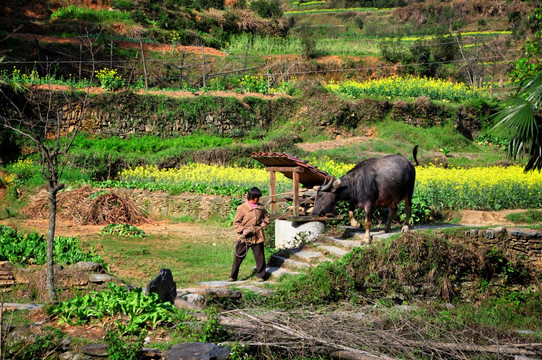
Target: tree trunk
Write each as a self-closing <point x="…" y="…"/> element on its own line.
<point x="53" y="191"/>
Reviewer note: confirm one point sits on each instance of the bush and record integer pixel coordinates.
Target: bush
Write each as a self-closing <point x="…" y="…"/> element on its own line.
<point x="393" y="50"/>
<point x="124" y="5"/>
<point x="308" y="42"/>
<point x="267" y="8"/>
<point x="426" y="265"/>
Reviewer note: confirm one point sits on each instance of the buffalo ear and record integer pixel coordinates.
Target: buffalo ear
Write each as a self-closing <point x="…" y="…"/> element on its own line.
<point x="335" y="185"/>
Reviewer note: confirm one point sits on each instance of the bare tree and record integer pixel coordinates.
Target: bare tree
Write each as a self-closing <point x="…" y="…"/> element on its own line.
<point x="40" y="116"/>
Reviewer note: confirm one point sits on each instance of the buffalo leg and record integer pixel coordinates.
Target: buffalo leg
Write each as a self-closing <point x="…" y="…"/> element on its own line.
<point x="353" y="222"/>
<point x="391" y="216"/>
<point x="408" y="210"/>
<point x="368" y="220"/>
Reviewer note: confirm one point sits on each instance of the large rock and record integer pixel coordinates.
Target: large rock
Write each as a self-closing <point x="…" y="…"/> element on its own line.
<point x="88" y="266"/>
<point x="198" y="351"/>
<point x="164" y="286"/>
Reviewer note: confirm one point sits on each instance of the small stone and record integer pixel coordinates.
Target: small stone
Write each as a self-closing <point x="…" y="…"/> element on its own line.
<point x="196" y="299"/>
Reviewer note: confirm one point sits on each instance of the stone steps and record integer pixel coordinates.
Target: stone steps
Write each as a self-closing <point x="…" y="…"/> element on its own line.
<point x="7" y="279"/>
<point x="302" y="259"/>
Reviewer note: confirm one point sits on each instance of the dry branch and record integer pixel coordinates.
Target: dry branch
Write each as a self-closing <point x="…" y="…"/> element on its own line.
<point x="345" y="336"/>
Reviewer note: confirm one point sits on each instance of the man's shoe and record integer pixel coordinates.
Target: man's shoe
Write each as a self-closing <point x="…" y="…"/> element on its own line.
<point x="231" y="280"/>
<point x="260" y="280"/>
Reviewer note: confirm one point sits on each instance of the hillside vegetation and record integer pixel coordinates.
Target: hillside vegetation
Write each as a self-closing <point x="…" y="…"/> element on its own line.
<point x="173" y="97"/>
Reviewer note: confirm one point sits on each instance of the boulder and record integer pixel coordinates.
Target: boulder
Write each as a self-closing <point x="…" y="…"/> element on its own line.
<point x="198" y="351"/>
<point x="99" y="350"/>
<point x="164" y="286"/>
<point x="88" y="266"/>
<point x="100" y="278"/>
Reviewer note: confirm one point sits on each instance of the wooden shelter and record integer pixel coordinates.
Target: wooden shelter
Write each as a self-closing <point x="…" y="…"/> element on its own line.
<point x="300" y="171"/>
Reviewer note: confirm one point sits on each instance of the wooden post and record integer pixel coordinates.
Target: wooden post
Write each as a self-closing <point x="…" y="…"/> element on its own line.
<point x="203" y="62"/>
<point x="295" y="178"/>
<point x="295" y="171"/>
<point x="181" y="69"/>
<point x="80" y="58"/>
<point x="273" y="191"/>
<point x="144" y="64"/>
<point x="268" y="77"/>
<point x="111" y="53"/>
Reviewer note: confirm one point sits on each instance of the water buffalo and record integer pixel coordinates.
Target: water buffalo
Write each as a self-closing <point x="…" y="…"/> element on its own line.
<point x="382" y="182"/>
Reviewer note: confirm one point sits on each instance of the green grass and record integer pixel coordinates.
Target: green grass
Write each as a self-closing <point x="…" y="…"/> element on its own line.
<point x="398" y="137"/>
<point x="531" y="216"/>
<point x="193" y="253"/>
<point x="149" y="144"/>
<point x="334" y="11"/>
<point x="292" y="45"/>
<point x="97" y="16"/>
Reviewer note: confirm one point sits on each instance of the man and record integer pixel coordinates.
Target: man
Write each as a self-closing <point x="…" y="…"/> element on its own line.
<point x="250" y="220"/>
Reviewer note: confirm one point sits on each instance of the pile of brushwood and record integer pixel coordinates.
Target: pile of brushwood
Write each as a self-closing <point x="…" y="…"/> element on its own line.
<point x="87" y="206"/>
<point x="420" y="295"/>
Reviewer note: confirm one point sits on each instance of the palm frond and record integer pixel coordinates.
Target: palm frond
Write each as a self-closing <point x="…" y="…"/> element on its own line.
<point x="533" y="90"/>
<point x="518" y="118"/>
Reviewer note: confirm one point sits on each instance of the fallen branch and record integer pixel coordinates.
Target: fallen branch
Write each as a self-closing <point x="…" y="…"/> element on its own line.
<point x="305" y="336"/>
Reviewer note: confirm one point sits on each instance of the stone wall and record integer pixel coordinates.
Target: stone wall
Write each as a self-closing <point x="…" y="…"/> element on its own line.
<point x="519" y="241"/>
<point x="161" y="204"/>
<point x="126" y="113"/>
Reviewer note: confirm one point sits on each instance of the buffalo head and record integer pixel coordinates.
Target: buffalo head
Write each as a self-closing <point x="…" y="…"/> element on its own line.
<point x="326" y="198"/>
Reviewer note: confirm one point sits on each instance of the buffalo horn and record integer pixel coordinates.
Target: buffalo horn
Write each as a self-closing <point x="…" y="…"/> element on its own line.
<point x="325" y="186"/>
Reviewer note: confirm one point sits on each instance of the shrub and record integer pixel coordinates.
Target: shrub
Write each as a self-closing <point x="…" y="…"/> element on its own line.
<point x="124" y="5"/>
<point x="266" y="8"/>
<point x="393" y="50"/>
<point x="308" y="42"/>
<point x="358" y="20"/>
<point x="427" y="265"/>
<point x="257" y="84"/>
<point x="109" y="79"/>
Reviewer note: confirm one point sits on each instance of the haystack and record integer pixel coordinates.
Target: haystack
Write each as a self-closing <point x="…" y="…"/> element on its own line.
<point x="87" y="206"/>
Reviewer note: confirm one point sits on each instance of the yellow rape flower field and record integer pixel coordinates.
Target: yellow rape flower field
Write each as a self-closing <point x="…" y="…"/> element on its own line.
<point x="201" y="174"/>
<point x="482" y="188"/>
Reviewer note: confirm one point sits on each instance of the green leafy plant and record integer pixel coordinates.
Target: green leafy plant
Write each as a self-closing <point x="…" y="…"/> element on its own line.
<point x="31" y="248"/>
<point x="239" y="351"/>
<point x="122" y="230"/>
<point x="109" y="79"/>
<point x="140" y="311"/>
<point x="125" y="347"/>
<point x="39" y="347"/>
<point x="257" y="84"/>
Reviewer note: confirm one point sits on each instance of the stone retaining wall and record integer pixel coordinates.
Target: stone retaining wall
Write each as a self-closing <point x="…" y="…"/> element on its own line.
<point x="519" y="241"/>
<point x="161" y="204"/>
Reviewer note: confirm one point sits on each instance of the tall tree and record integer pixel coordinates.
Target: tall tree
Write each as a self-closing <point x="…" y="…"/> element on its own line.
<point x="522" y="118"/>
<point x="40" y="115"/>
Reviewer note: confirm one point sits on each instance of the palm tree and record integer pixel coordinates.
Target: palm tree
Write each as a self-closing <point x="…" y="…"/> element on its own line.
<point x="522" y="118"/>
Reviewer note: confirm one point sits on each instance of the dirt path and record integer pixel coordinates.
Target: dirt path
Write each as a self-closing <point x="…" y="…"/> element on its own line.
<point x="486" y="218"/>
<point x="174" y="94"/>
<point x="123" y="44"/>
<point x="164" y="227"/>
